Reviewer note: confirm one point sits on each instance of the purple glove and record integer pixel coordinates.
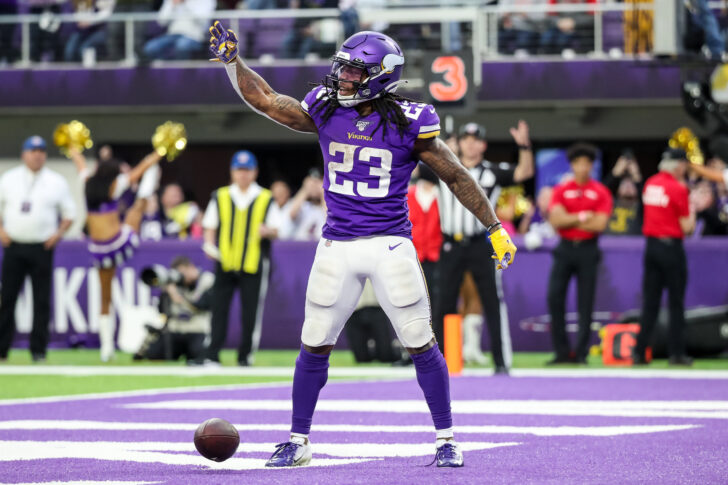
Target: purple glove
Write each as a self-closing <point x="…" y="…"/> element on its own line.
<point x="223" y="43"/>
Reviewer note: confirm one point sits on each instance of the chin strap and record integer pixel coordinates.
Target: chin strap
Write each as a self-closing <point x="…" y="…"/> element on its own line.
<point x="352" y="100"/>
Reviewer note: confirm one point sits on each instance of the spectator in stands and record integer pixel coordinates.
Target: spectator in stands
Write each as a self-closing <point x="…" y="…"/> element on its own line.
<point x="519" y="32"/>
<point x="579" y="211"/>
<point x="36" y="209"/>
<point x="308" y="209"/>
<point x="625" y="184"/>
<point x="181" y="219"/>
<point x="704" y="18"/>
<point x="451" y="140"/>
<point x="184" y="36"/>
<point x="300" y="40"/>
<point x="708" y="221"/>
<point x="564" y="30"/>
<point x="281" y="192"/>
<point x="668" y="217"/>
<point x="8" y="52"/>
<point x="238" y="225"/>
<point x="377" y="25"/>
<point x="535" y="225"/>
<point x="116" y="31"/>
<point x="257" y="4"/>
<point x="89" y="33"/>
<point x="45" y="35"/>
<point x="151" y="228"/>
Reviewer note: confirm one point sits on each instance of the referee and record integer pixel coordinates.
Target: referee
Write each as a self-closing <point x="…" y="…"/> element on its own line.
<point x="667" y="219"/>
<point x="36" y="209"/>
<point x="579" y="210"/>
<point x="465" y="245"/>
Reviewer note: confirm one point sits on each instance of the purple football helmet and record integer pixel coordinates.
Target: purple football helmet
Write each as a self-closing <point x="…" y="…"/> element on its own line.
<point x="381" y="59"/>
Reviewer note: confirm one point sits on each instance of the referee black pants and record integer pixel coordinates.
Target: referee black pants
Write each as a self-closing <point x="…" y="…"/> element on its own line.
<point x="226" y="282"/>
<point x="474" y="255"/>
<point x="19" y="261"/>
<point x="580" y="258"/>
<point x="665" y="265"/>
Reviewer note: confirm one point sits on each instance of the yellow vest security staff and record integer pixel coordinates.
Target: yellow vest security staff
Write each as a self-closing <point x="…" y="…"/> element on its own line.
<point x="237" y="224"/>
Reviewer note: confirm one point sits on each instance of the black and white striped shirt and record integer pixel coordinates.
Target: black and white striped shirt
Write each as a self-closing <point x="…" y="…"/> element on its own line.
<point x="455" y="219"/>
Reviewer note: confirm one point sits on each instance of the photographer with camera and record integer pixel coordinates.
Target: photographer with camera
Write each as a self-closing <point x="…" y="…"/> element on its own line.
<point x="186" y="302"/>
<point x="625" y="183"/>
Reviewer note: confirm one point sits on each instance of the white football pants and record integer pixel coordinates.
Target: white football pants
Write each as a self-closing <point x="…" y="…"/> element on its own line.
<point x="337" y="279"/>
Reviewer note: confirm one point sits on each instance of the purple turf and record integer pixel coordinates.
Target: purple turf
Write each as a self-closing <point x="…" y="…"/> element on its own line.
<point x="698" y="455"/>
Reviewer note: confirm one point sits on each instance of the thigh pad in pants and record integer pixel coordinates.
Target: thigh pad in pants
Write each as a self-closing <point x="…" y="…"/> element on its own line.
<point x="324" y="290"/>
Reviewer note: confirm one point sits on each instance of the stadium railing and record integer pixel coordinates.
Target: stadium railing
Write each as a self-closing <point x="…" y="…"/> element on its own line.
<point x="602" y="30"/>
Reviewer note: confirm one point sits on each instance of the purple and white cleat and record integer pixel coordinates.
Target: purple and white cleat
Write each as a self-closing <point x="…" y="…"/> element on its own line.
<point x="449" y="455"/>
<point x="292" y="454"/>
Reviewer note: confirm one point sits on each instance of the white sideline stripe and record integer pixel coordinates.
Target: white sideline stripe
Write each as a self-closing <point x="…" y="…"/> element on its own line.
<point x="154" y="452"/>
<point x="142" y="392"/>
<point x="360" y="371"/>
<point x="47" y="425"/>
<point x="646" y="409"/>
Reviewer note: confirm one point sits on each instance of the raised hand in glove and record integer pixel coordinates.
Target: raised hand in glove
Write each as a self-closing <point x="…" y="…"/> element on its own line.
<point x="505" y="250"/>
<point x="223" y="43"/>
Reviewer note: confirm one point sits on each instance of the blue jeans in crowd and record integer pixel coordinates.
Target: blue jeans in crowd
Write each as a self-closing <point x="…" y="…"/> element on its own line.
<point x="81" y="40"/>
<point x="171" y="47"/>
<point x="705" y="18"/>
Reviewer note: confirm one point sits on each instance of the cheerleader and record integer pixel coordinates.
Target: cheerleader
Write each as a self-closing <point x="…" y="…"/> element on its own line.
<point x="113" y="240"/>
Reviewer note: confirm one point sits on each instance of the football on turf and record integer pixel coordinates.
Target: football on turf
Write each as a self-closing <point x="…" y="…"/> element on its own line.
<point x="216" y="439"/>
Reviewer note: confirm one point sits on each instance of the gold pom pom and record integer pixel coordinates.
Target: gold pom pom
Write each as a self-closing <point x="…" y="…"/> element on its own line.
<point x="72" y="135"/>
<point x="169" y="140"/>
<point x="685" y="139"/>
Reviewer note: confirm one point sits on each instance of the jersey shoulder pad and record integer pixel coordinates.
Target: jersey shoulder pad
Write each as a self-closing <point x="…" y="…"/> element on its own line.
<point x="312" y="97"/>
<point x="424" y="122"/>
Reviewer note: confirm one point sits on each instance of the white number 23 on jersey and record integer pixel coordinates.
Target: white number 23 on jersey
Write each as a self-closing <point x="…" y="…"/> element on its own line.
<point x="338" y="184"/>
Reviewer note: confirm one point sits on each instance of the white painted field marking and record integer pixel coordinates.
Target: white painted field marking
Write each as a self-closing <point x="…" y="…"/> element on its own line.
<point x="150" y="452"/>
<point x="644" y="409"/>
<point x="359" y="371"/>
<point x="347" y="428"/>
<point x="138" y="452"/>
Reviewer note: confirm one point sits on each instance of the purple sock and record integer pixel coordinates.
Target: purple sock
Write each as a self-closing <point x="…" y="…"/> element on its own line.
<point x="434" y="380"/>
<point x="312" y="371"/>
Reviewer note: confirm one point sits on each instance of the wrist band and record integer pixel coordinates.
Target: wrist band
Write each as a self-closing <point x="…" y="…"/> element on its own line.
<point x="524" y="147"/>
<point x="492" y="226"/>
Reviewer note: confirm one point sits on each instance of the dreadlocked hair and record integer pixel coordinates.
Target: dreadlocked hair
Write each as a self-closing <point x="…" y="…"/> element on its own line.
<point x="387" y="106"/>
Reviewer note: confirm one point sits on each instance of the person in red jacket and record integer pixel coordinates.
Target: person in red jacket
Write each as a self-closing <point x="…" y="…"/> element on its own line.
<point x="579" y="211"/>
<point x="667" y="218"/>
<point x="426" y="234"/>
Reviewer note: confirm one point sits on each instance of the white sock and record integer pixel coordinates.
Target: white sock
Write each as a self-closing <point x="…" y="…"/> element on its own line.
<point x="149" y="182"/>
<point x="107" y="325"/>
<point x="299" y="439"/>
<point x="443" y="436"/>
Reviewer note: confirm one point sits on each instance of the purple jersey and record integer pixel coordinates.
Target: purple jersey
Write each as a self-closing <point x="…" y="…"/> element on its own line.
<point x="365" y="172"/>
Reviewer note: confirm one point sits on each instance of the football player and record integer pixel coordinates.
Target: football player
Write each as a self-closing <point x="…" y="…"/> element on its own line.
<point x="371" y="139"/>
